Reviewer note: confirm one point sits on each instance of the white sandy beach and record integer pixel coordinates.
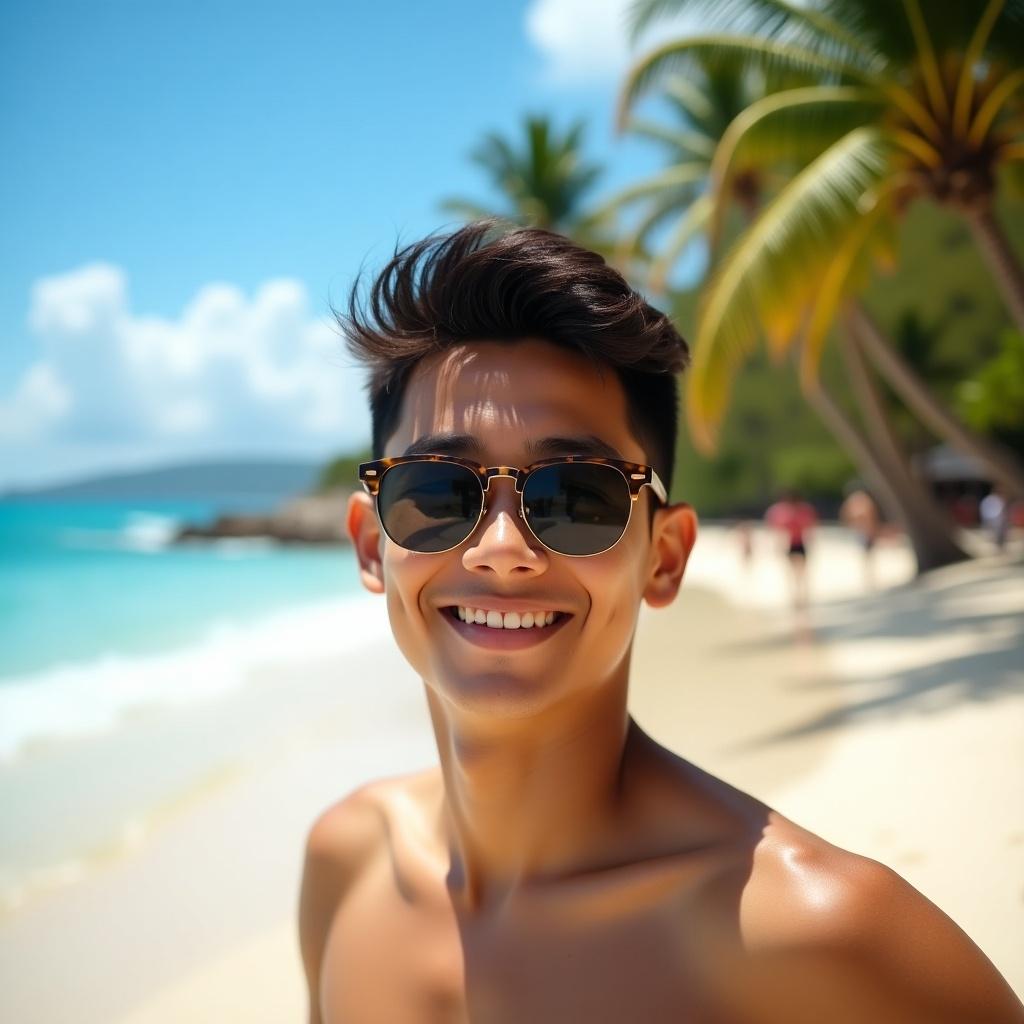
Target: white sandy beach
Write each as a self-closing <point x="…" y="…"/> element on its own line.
<point x="893" y="725"/>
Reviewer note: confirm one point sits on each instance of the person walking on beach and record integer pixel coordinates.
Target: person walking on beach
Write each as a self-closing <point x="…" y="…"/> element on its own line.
<point x="558" y="864"/>
<point x="793" y="519"/>
<point x="994" y="510"/>
<point x="860" y="514"/>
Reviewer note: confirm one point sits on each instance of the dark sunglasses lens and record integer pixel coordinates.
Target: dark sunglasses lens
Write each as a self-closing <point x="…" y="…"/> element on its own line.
<point x="577" y="508"/>
<point x="429" y="506"/>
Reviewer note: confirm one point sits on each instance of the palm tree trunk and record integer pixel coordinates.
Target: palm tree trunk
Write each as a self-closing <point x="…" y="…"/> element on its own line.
<point x="929" y="530"/>
<point x="876" y="476"/>
<point x="1002" y="466"/>
<point x="849" y="437"/>
<point x="995" y="248"/>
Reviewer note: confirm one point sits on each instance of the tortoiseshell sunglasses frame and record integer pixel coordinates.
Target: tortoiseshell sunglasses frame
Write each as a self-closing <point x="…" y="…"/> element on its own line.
<point x="636" y="475"/>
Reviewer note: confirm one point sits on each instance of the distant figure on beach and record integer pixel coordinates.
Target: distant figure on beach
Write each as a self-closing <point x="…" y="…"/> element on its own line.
<point x="745" y="537"/>
<point x="793" y="519"/>
<point x="558" y="864"/>
<point x="860" y="514"/>
<point x="995" y="516"/>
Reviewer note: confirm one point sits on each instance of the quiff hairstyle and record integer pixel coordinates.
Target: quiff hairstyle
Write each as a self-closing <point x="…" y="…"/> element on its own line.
<point x="492" y="281"/>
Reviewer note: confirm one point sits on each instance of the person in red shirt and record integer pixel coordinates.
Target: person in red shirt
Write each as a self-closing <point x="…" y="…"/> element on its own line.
<point x="793" y="518"/>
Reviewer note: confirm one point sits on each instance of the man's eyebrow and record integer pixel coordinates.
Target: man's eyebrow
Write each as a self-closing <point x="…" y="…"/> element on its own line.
<point x="444" y="444"/>
<point x="588" y="445"/>
<point x="466" y="444"/>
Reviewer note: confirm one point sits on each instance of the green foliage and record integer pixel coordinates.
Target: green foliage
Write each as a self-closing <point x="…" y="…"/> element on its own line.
<point x="992" y="398"/>
<point x="910" y="101"/>
<point x="940" y="307"/>
<point x="942" y="310"/>
<point x="771" y="440"/>
<point x="342" y="471"/>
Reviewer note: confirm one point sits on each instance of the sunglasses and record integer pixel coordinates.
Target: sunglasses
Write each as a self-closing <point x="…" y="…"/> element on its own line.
<point x="572" y="505"/>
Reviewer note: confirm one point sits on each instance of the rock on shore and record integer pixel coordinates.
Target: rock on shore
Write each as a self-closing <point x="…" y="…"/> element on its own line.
<point x="309" y="519"/>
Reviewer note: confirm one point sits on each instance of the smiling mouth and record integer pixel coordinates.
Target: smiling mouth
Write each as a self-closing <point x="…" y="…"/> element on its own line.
<point x="505" y="620"/>
<point x="505" y="630"/>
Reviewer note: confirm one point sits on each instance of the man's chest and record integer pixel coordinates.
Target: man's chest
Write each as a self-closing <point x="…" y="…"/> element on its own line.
<point x="406" y="957"/>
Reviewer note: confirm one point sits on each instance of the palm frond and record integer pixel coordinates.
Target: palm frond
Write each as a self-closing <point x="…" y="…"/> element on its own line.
<point x="917" y="147"/>
<point x="803" y="24"/>
<point x="680" y="142"/>
<point x="927" y="60"/>
<point x="691" y="102"/>
<point x="789" y="127"/>
<point x="673" y="179"/>
<point x="634" y="242"/>
<point x="992" y="105"/>
<point x="732" y="54"/>
<point x="833" y="286"/>
<point x="695" y="218"/>
<point x="972" y="55"/>
<point x="797" y="232"/>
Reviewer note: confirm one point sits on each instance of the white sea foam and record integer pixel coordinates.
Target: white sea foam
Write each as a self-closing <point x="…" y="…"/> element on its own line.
<point x="82" y="699"/>
<point x="144" y="532"/>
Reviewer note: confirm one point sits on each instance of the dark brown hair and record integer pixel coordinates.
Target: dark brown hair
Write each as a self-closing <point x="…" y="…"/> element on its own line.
<point x="491" y="281"/>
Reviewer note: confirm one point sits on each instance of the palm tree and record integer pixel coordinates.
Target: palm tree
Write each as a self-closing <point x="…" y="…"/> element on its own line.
<point x="896" y="105"/>
<point x="544" y="183"/>
<point x="702" y="107"/>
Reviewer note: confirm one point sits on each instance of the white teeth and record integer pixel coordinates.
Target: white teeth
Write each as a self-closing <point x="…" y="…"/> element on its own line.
<point x="506" y="620"/>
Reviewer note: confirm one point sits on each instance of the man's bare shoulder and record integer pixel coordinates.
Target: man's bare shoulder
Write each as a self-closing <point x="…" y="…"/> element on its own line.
<point x="351" y="829"/>
<point x="829" y="934"/>
<point x="341" y="843"/>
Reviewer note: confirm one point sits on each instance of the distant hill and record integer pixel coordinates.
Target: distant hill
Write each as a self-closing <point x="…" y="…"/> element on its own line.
<point x="270" y="479"/>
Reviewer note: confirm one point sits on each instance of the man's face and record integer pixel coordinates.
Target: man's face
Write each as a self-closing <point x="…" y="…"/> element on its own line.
<point x="509" y="400"/>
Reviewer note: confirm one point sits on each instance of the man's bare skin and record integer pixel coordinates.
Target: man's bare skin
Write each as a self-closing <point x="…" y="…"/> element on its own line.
<point x="559" y="865"/>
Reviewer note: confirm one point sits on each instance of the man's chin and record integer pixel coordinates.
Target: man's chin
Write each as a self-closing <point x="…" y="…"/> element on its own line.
<point x="502" y="691"/>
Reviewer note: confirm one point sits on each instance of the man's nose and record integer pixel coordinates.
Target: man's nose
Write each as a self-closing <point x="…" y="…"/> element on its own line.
<point x="502" y="543"/>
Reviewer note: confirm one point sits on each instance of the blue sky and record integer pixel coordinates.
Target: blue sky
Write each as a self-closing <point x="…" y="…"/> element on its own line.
<point x="185" y="186"/>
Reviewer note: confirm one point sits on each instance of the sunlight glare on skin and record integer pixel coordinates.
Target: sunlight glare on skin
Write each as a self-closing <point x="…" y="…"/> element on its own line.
<point x="445" y="408"/>
<point x="447" y="415"/>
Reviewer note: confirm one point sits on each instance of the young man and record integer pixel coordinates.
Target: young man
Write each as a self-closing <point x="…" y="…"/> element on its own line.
<point x="558" y="865"/>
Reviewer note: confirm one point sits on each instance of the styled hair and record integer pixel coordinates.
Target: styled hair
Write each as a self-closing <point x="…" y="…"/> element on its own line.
<point x="492" y="281"/>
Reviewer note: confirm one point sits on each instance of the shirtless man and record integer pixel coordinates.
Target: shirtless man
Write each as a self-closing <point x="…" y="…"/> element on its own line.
<point x="559" y="865"/>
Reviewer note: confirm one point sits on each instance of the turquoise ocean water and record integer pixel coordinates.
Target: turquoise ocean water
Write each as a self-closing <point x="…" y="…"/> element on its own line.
<point x="86" y="579"/>
<point x="133" y="671"/>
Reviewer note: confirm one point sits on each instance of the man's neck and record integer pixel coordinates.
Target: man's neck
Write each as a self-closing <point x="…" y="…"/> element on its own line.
<point x="529" y="799"/>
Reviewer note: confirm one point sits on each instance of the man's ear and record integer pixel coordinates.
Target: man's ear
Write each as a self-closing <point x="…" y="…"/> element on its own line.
<point x="672" y="537"/>
<point x="364" y="530"/>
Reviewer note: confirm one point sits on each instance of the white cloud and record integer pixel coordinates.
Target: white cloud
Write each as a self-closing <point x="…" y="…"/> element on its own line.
<point x="84" y="301"/>
<point x="232" y="372"/>
<point x="587" y="41"/>
<point x="579" y="39"/>
<point x="39" y="401"/>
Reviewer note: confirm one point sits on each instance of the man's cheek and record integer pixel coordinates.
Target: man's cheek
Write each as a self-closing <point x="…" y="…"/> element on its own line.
<point x="408" y="619"/>
<point x="408" y="630"/>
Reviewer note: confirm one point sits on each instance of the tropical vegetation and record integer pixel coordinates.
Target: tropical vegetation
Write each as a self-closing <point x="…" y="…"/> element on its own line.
<point x="880" y="105"/>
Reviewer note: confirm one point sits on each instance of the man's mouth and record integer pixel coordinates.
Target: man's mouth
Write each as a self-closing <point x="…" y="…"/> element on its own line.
<point x="493" y="619"/>
<point x="505" y="630"/>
